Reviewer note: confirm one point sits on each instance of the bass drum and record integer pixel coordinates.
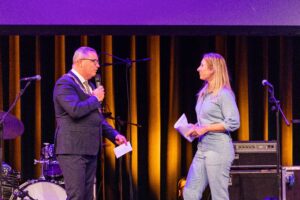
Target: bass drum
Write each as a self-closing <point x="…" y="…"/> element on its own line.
<point x="41" y="190"/>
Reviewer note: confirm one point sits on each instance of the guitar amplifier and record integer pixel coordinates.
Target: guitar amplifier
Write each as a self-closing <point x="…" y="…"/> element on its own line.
<point x="255" y="155"/>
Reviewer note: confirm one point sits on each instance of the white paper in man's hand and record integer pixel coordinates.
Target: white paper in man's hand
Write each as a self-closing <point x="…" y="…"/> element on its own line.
<point x="183" y="127"/>
<point x="122" y="149"/>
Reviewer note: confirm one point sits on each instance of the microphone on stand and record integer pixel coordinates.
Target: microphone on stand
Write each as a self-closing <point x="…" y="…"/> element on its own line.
<point x="32" y="78"/>
<point x="266" y="83"/>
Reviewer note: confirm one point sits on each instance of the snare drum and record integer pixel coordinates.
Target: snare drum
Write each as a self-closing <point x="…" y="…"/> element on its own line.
<point x="41" y="190"/>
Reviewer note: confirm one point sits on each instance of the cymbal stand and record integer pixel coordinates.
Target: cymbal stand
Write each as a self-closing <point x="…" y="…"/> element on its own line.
<point x="2" y="128"/>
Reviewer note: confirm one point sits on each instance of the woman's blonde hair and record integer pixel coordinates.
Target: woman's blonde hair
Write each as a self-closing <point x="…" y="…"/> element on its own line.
<point x="217" y="63"/>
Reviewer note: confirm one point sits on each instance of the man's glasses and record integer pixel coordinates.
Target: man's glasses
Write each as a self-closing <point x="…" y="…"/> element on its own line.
<point x="96" y="61"/>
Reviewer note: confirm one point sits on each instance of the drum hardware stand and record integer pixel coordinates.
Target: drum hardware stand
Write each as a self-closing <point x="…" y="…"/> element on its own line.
<point x="276" y="107"/>
<point x="14" y="186"/>
<point x="42" y="177"/>
<point x="43" y="161"/>
<point x="22" y="194"/>
<point x="2" y="128"/>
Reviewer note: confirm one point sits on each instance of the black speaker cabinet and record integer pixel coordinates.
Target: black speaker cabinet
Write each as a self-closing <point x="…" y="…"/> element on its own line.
<point x="254" y="185"/>
<point x="262" y="184"/>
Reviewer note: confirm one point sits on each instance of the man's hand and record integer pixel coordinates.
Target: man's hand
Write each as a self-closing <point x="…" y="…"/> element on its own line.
<point x="120" y="139"/>
<point x="99" y="93"/>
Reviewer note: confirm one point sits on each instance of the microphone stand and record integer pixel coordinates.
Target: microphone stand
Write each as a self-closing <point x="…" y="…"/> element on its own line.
<point x="120" y="123"/>
<point x="128" y="62"/>
<point x="2" y="129"/>
<point x="122" y="61"/>
<point x="295" y="121"/>
<point x="277" y="108"/>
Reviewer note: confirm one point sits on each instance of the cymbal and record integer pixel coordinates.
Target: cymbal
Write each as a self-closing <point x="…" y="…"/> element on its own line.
<point x="12" y="127"/>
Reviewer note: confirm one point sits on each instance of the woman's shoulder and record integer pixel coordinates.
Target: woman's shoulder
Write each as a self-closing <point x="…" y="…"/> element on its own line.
<point x="226" y="92"/>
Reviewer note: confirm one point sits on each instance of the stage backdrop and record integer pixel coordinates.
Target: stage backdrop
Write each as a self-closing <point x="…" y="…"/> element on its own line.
<point x="159" y="91"/>
<point x="181" y="17"/>
<point x="150" y="12"/>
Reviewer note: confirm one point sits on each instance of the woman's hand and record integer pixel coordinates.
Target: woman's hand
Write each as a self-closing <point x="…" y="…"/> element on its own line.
<point x="197" y="131"/>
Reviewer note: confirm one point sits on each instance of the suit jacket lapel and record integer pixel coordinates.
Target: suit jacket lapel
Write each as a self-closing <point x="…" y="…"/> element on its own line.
<point x="77" y="81"/>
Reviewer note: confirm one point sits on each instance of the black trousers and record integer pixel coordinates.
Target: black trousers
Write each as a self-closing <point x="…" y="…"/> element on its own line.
<point x="79" y="173"/>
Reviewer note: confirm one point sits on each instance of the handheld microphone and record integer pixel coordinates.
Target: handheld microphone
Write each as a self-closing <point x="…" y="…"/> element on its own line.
<point x="98" y="83"/>
<point x="98" y="80"/>
<point x="32" y="78"/>
<point x="266" y="83"/>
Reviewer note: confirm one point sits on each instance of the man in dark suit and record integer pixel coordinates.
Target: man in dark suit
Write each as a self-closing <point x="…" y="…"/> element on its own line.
<point x="80" y="124"/>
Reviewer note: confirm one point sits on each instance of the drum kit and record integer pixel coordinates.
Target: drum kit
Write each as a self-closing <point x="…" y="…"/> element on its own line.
<point x="49" y="186"/>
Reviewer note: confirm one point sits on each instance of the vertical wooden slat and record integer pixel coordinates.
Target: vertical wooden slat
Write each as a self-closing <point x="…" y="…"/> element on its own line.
<point x="173" y="138"/>
<point x="60" y="56"/>
<point x="266" y="94"/>
<point x="108" y="82"/>
<point x="154" y="128"/>
<point x="286" y="92"/>
<point x="84" y="40"/>
<point x="14" y="89"/>
<point x="241" y="52"/>
<point x="38" y="108"/>
<point x="133" y="117"/>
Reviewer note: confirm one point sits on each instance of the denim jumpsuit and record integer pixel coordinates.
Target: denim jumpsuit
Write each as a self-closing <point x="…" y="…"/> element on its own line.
<point x="215" y="153"/>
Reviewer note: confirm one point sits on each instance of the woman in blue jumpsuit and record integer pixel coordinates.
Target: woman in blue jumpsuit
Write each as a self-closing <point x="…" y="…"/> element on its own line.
<point x="217" y="116"/>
